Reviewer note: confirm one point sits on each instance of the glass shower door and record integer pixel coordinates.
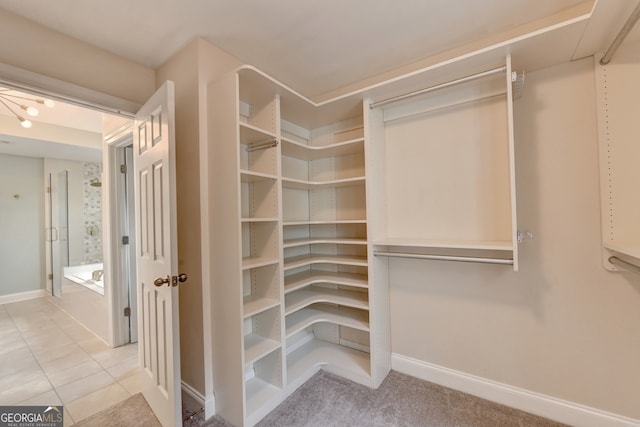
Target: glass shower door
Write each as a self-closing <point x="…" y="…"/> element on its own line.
<point x="59" y="231"/>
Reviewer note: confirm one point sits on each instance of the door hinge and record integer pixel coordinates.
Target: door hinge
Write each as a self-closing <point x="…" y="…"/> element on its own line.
<point x="48" y="190"/>
<point x="50" y="276"/>
<point x="127" y="311"/>
<point x="125" y="240"/>
<point x="123" y="168"/>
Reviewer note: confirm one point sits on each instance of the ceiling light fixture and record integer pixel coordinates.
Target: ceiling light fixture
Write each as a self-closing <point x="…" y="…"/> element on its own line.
<point x="6" y="99"/>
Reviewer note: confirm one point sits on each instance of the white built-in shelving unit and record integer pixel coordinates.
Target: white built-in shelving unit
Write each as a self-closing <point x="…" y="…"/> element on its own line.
<point x="291" y="252"/>
<point x="305" y="202"/>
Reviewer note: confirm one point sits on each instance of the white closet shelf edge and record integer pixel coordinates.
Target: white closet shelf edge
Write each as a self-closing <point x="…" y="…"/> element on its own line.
<point x="497" y="245"/>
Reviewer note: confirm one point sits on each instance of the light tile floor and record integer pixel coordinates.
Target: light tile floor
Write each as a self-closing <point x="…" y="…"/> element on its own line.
<point x="48" y="358"/>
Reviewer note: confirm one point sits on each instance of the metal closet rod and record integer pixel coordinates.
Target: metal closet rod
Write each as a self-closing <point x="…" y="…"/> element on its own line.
<point x="444" y="107"/>
<point x="624" y="264"/>
<point x="262" y="145"/>
<point x="628" y="26"/>
<point x="439" y="86"/>
<point x="445" y="257"/>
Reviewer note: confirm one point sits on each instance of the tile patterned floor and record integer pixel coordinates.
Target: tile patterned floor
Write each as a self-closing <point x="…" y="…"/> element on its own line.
<point x="48" y="358"/>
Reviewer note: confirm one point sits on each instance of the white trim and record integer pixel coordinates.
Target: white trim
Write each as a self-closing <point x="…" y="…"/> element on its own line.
<point x="22" y="296"/>
<point x="209" y="404"/>
<point x="535" y="403"/>
<point x="28" y="81"/>
<point x="187" y="388"/>
<point x="112" y="232"/>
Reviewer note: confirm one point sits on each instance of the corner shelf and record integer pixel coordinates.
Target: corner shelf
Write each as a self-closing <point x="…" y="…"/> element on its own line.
<point x="302" y="260"/>
<point x="295" y="149"/>
<point x="300" y="299"/>
<point x="343" y="316"/>
<point x="310" y="185"/>
<point x="291" y="243"/>
<point x="351" y="363"/>
<point x="300" y="280"/>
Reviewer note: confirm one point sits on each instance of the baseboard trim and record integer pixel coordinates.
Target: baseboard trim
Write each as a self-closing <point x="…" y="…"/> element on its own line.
<point x="22" y="296"/>
<point x="209" y="404"/>
<point x="195" y="394"/>
<point x="525" y="400"/>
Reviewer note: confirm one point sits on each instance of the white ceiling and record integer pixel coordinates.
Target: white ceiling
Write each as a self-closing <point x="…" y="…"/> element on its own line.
<point x="61" y="114"/>
<point x="313" y="46"/>
<point x="63" y="132"/>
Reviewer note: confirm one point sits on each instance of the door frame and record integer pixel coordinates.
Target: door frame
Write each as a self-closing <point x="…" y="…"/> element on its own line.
<point x="114" y="143"/>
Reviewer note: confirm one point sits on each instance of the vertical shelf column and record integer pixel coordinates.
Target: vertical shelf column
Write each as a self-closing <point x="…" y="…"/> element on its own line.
<point x="246" y="247"/>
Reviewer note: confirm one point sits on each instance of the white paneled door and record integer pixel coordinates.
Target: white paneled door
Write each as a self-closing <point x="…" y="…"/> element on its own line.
<point x="156" y="258"/>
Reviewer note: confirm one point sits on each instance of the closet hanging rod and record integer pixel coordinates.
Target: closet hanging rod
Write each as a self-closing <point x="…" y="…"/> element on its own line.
<point x="262" y="146"/>
<point x="624" y="264"/>
<point x="444" y="107"/>
<point x="624" y="31"/>
<point x="439" y="86"/>
<point x="445" y="257"/>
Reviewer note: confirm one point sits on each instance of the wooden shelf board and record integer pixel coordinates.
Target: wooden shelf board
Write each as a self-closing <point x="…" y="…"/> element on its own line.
<point x="344" y="316"/>
<point x="268" y="219"/>
<point x="300" y="299"/>
<point x="499" y="245"/>
<point x="325" y="222"/>
<point x="250" y="176"/>
<point x="631" y="249"/>
<point x="319" y="353"/>
<point x="254" y="262"/>
<point x="254" y="305"/>
<point x="292" y="148"/>
<point x="250" y="134"/>
<point x="303" y="260"/>
<point x="259" y="393"/>
<point x="257" y="346"/>
<point x="310" y="185"/>
<point x="307" y="278"/>
<point x="323" y="240"/>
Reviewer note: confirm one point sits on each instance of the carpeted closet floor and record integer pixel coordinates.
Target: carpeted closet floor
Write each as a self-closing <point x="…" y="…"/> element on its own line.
<point x="327" y="400"/>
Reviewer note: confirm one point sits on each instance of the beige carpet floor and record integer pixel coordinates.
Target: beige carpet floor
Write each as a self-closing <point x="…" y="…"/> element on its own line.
<point x="133" y="412"/>
<point x="327" y="400"/>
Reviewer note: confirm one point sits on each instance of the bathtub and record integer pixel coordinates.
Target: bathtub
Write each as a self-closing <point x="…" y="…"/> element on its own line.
<point x="83" y="275"/>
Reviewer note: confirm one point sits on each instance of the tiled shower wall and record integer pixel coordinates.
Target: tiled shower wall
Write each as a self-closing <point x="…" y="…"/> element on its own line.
<point x="92" y="213"/>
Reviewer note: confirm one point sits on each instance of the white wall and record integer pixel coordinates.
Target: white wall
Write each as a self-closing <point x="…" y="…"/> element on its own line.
<point x="562" y="326"/>
<point x="22" y="233"/>
<point x="50" y="53"/>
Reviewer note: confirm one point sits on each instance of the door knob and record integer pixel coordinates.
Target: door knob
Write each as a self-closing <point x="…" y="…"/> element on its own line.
<point x="173" y="280"/>
<point x="160" y="281"/>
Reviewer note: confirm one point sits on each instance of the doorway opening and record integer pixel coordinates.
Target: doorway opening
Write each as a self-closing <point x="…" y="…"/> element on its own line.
<point x="77" y="257"/>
